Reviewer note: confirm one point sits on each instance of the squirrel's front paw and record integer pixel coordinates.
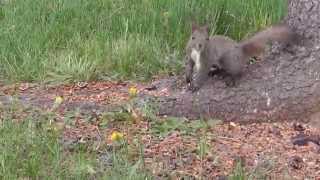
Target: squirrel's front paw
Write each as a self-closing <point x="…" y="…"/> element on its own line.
<point x="193" y="88"/>
<point x="188" y="79"/>
<point x="230" y="82"/>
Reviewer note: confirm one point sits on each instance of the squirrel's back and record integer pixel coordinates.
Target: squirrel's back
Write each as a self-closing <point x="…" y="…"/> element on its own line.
<point x="217" y="46"/>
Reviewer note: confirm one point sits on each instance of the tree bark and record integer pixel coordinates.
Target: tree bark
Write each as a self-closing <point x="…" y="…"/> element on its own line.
<point x="284" y="86"/>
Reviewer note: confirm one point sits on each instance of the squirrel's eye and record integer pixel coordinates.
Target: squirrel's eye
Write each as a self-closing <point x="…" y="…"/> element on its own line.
<point x="207" y="39"/>
<point x="193" y="37"/>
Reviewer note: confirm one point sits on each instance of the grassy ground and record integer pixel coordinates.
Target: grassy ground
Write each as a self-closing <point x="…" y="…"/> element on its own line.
<point x="34" y="146"/>
<point x="31" y="148"/>
<point x="63" y="41"/>
<point x="54" y="143"/>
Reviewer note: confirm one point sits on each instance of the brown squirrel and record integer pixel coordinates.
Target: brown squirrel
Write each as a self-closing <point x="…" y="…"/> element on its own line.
<point x="223" y="55"/>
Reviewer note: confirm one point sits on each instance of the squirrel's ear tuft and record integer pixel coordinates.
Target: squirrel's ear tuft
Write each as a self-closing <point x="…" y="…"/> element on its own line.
<point x="194" y="26"/>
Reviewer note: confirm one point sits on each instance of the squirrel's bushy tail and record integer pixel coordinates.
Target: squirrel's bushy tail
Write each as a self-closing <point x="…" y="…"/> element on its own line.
<point x="257" y="43"/>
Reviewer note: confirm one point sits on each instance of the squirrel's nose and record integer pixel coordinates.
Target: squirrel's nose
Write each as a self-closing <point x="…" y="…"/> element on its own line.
<point x="199" y="46"/>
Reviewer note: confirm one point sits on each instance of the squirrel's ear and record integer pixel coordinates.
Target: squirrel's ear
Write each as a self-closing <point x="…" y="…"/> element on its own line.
<point x="194" y="26"/>
<point x="205" y="28"/>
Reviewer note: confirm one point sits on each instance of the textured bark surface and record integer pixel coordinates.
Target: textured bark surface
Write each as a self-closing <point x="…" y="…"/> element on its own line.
<point x="284" y="86"/>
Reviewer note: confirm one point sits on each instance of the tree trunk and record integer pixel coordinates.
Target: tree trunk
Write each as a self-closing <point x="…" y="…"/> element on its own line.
<point x="284" y="86"/>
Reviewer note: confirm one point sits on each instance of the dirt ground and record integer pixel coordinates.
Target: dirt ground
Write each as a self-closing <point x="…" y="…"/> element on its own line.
<point x="280" y="150"/>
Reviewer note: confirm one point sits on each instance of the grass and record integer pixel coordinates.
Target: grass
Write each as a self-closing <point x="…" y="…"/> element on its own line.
<point x="79" y="40"/>
<point x="31" y="148"/>
<point x="30" y="151"/>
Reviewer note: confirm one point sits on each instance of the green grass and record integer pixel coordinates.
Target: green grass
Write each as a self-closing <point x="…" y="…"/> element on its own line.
<point x="30" y="148"/>
<point x="28" y="151"/>
<point x="73" y="40"/>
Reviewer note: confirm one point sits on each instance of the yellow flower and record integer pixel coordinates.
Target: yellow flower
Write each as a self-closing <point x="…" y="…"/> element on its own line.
<point x="133" y="91"/>
<point x="58" y="100"/>
<point x="116" y="136"/>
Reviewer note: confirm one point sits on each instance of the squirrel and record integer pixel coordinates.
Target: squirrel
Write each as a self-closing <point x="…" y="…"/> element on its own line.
<point x="221" y="55"/>
<point x="202" y="54"/>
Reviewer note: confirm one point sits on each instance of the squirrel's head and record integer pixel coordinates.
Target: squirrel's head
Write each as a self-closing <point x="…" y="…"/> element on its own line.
<point x="199" y="37"/>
